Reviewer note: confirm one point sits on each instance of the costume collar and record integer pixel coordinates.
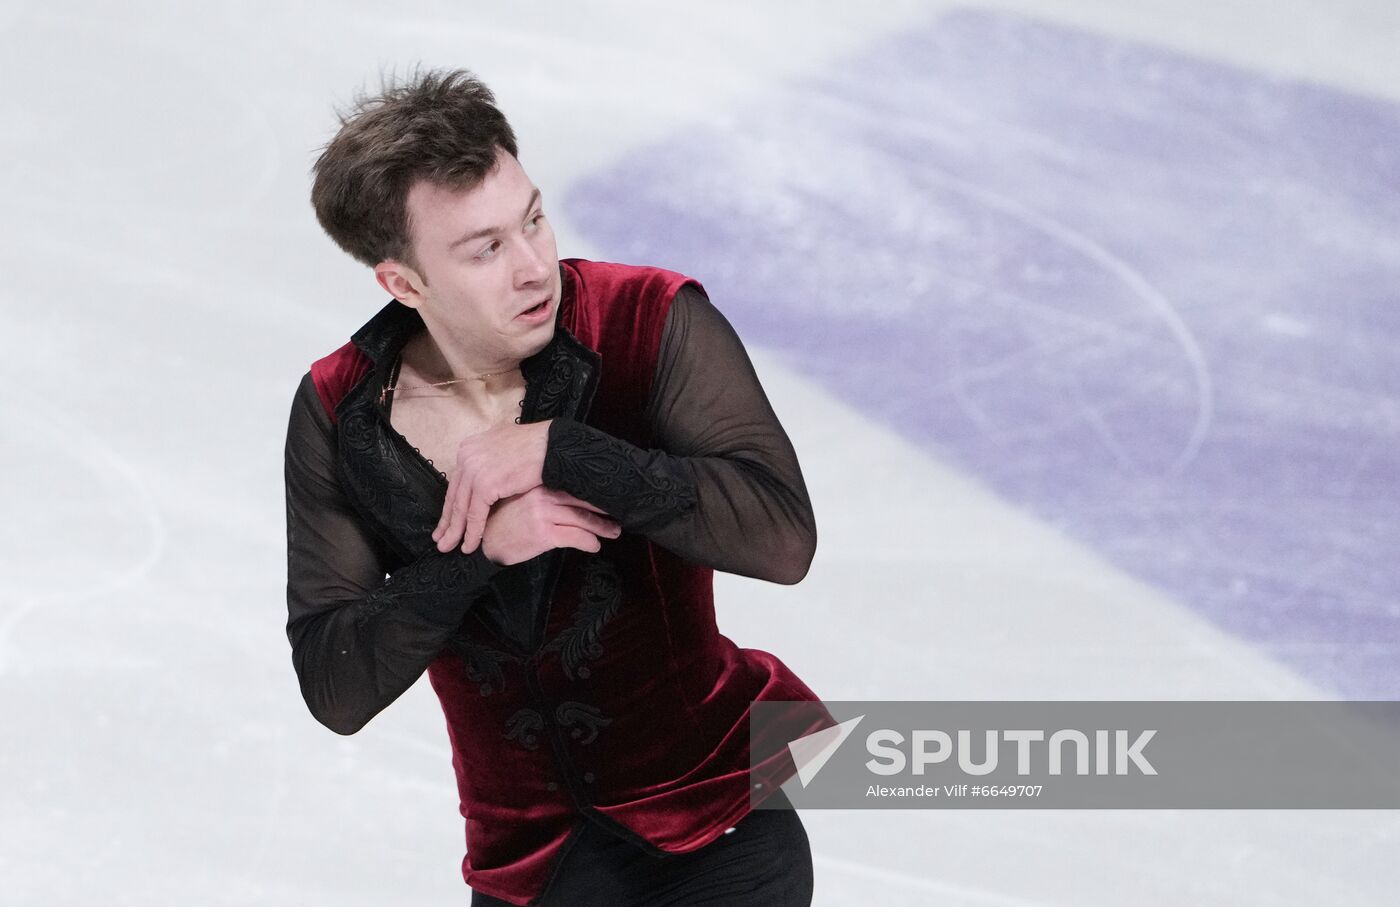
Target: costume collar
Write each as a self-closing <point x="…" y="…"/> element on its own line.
<point x="384" y="335"/>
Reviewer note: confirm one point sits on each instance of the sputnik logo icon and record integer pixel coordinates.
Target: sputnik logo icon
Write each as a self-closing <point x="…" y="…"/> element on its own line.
<point x="810" y="753"/>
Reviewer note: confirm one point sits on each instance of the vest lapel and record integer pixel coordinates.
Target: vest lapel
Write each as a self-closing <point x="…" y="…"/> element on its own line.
<point x="560" y="379"/>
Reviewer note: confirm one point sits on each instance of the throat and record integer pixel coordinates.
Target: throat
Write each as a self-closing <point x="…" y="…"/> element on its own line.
<point x="435" y="421"/>
<point x="424" y="372"/>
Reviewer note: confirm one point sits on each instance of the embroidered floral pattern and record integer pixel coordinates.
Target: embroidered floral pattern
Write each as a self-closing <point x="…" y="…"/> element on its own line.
<point x="482" y="663"/>
<point x="582" y="718"/>
<point x="598" y="603"/>
<point x="524" y="727"/>
<point x="557" y="380"/>
<point x="637" y="487"/>
<point x="437" y="576"/>
<point x="376" y="475"/>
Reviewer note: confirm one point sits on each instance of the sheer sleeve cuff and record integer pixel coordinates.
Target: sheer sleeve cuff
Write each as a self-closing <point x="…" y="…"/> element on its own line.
<point x="641" y="489"/>
<point x="435" y="590"/>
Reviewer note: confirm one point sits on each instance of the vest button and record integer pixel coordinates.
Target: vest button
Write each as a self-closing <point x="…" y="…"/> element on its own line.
<point x="588" y="777"/>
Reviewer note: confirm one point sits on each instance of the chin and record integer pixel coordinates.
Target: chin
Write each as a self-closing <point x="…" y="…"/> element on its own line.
<point x="539" y="341"/>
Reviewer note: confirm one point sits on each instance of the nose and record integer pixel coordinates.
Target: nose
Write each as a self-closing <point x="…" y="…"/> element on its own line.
<point x="531" y="266"/>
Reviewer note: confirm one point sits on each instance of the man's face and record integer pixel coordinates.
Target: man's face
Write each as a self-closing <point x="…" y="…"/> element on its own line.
<point x="487" y="261"/>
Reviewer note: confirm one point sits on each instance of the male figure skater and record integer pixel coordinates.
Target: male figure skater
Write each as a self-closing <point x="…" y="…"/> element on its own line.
<point x="547" y="459"/>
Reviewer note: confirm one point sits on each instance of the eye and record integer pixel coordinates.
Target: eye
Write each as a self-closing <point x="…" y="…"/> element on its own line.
<point x="534" y="222"/>
<point x="489" y="251"/>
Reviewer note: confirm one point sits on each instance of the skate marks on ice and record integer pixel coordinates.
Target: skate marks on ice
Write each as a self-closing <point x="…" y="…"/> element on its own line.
<point x="1148" y="298"/>
<point x="951" y="578"/>
<point x="94" y="530"/>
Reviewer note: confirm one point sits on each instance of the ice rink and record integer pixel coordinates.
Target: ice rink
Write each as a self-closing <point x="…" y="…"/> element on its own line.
<point x="1082" y="316"/>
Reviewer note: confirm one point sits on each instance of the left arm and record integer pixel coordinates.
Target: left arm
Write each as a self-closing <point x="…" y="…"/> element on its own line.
<point x="723" y="488"/>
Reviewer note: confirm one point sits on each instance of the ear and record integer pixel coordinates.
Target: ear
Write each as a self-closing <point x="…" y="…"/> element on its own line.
<point x="401" y="282"/>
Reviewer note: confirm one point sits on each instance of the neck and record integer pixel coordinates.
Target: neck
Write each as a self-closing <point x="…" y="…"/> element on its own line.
<point x="432" y="359"/>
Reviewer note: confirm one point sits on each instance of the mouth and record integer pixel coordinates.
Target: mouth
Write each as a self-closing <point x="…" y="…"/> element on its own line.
<point x="536" y="311"/>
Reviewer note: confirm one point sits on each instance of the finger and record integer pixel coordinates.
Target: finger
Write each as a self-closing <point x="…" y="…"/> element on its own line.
<point x="582" y="539"/>
<point x="568" y="500"/>
<point x="476" y="520"/>
<point x="446" y="514"/>
<point x="587" y="519"/>
<point x="444" y="540"/>
<point x="452" y="536"/>
<point x="444" y="544"/>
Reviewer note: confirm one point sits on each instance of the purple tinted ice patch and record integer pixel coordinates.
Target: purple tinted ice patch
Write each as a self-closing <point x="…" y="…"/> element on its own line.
<point x="1151" y="299"/>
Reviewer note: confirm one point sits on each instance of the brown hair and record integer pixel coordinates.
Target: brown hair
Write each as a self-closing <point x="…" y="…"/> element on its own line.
<point x="442" y="126"/>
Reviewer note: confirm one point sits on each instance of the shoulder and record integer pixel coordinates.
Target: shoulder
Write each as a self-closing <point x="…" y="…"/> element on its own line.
<point x="603" y="282"/>
<point x="334" y="375"/>
<point x="621" y="309"/>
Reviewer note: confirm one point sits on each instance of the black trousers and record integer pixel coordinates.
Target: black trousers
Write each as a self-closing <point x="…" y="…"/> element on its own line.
<point x="765" y="862"/>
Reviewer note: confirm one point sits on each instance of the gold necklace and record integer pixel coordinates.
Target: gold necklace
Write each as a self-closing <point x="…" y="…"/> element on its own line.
<point x="384" y="393"/>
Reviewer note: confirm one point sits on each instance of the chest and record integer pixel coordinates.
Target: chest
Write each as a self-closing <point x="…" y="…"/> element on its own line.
<point x="437" y="425"/>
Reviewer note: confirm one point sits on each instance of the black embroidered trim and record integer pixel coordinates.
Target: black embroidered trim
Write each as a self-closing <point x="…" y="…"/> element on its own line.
<point x="381" y="486"/>
<point x="598" y="603"/>
<point x="559" y="379"/>
<point x="481" y="663"/>
<point x="524" y="727"/>
<point x="629" y="483"/>
<point x="439" y="577"/>
<point x="588" y="718"/>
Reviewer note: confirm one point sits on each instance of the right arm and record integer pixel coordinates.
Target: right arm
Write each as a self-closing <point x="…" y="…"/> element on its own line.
<point x="358" y="640"/>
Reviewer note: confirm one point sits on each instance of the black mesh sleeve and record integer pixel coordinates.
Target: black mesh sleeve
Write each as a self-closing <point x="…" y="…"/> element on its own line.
<point x="358" y="640"/>
<point x="723" y="488"/>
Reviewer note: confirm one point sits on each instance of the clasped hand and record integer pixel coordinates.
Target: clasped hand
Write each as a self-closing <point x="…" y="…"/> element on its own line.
<point x="495" y="498"/>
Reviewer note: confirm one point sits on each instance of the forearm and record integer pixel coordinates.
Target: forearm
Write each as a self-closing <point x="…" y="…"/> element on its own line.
<point x="354" y="659"/>
<point x="741" y="512"/>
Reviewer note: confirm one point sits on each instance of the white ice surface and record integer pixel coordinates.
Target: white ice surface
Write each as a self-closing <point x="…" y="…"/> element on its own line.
<point x="160" y="258"/>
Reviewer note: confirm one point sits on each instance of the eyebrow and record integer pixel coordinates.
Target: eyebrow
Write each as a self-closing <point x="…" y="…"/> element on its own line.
<point x="492" y="231"/>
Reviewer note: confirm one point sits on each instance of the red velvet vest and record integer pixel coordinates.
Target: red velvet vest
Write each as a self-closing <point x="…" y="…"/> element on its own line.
<point x="616" y="700"/>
